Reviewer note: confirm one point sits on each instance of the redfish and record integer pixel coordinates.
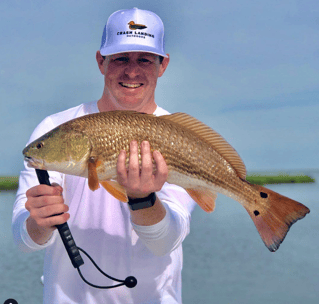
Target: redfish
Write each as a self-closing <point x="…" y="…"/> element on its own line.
<point x="199" y="160"/>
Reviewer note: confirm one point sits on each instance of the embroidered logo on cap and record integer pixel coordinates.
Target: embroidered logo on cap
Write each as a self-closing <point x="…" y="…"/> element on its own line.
<point x="133" y="33"/>
<point x="134" y="26"/>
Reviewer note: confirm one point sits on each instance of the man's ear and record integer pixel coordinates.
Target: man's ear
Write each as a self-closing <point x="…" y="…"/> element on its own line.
<point x="163" y="65"/>
<point x="100" y="61"/>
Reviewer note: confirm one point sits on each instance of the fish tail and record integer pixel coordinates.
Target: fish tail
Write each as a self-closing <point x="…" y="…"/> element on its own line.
<point x="273" y="215"/>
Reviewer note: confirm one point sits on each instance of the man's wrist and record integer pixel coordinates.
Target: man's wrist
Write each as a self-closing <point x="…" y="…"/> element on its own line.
<point x="31" y="236"/>
<point x="142" y="203"/>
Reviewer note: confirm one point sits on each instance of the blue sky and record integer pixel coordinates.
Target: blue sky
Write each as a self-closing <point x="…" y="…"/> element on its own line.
<point x="249" y="69"/>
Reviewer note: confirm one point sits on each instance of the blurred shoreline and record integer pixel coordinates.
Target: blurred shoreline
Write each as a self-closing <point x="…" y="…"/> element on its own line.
<point x="254" y="177"/>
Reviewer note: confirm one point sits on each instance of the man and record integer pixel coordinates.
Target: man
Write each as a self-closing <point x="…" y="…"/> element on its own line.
<point x="146" y="242"/>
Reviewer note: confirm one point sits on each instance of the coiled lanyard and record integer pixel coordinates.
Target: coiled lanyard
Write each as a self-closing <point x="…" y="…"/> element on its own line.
<point x="73" y="250"/>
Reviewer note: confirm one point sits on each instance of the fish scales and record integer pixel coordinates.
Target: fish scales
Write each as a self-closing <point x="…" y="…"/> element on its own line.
<point x="174" y="145"/>
<point x="109" y="134"/>
<point x="198" y="158"/>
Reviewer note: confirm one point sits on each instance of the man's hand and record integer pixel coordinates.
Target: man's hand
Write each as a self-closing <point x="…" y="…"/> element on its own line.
<point x="140" y="182"/>
<point x="43" y="202"/>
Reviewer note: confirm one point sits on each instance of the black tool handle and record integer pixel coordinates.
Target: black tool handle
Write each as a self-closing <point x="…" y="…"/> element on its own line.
<point x="63" y="229"/>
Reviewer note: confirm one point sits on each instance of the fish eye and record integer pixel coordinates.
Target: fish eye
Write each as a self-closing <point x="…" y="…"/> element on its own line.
<point x="39" y="145"/>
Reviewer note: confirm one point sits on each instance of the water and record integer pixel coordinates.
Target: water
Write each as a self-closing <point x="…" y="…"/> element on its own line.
<point x="225" y="261"/>
<point x="20" y="272"/>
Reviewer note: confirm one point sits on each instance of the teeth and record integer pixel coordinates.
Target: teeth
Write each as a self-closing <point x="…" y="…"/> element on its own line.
<point x="130" y="85"/>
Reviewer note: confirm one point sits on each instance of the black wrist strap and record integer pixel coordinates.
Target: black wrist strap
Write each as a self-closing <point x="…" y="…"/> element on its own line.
<point x="73" y="250"/>
<point x="142" y="203"/>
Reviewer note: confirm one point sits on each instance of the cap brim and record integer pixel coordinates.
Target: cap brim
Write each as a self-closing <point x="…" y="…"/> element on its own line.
<point x="126" y="48"/>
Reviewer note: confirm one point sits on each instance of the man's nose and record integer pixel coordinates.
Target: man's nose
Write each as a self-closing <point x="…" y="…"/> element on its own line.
<point x="132" y="69"/>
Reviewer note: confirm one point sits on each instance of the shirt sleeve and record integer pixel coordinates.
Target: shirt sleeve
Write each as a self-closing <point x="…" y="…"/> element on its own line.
<point x="27" y="180"/>
<point x="165" y="236"/>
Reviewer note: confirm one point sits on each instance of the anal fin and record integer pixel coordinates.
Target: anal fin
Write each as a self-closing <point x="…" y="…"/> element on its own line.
<point x="204" y="198"/>
<point x="115" y="189"/>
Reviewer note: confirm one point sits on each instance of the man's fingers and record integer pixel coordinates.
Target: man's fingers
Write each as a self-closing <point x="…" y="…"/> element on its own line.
<point x="121" y="168"/>
<point x="147" y="164"/>
<point x="134" y="167"/>
<point x="47" y="211"/>
<point x="52" y="221"/>
<point x="140" y="180"/>
<point x="50" y="210"/>
<point x="60" y="219"/>
<point x="44" y="190"/>
<point x="161" y="167"/>
<point x="41" y="201"/>
<point x="58" y="187"/>
<point x="44" y="202"/>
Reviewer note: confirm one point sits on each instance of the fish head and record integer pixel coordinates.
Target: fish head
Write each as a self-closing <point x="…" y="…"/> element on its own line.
<point x="61" y="149"/>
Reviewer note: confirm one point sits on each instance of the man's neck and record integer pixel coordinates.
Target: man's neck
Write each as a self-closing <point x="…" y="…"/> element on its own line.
<point x="105" y="106"/>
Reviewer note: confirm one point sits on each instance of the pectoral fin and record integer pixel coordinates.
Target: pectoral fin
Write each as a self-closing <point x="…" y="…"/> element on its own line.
<point x="115" y="189"/>
<point x="92" y="175"/>
<point x="204" y="198"/>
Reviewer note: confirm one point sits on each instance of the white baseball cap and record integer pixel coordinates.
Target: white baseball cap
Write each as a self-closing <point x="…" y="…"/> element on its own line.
<point x="133" y="30"/>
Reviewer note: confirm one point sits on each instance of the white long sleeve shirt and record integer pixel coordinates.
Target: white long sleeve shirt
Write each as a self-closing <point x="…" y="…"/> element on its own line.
<point x="101" y="225"/>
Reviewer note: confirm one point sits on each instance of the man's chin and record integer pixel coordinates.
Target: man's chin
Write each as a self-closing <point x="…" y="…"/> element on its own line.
<point x="131" y="104"/>
<point x="130" y="100"/>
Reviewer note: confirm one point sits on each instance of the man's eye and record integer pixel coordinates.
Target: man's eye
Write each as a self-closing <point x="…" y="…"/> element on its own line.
<point x="144" y="60"/>
<point x="121" y="59"/>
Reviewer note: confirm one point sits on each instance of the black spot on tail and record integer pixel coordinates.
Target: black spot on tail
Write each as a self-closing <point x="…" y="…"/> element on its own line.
<point x="263" y="194"/>
<point x="256" y="212"/>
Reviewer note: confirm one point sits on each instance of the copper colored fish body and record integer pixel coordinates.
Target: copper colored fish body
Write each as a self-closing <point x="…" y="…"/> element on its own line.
<point x="198" y="158"/>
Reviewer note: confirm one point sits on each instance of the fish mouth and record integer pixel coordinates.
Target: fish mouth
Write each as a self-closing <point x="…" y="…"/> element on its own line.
<point x="33" y="163"/>
<point x="27" y="158"/>
<point x="130" y="85"/>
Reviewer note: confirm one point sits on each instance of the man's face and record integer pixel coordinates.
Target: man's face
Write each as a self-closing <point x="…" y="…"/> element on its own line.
<point x="130" y="78"/>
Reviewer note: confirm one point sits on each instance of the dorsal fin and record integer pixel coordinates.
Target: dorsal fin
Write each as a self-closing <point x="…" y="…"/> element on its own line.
<point x="214" y="139"/>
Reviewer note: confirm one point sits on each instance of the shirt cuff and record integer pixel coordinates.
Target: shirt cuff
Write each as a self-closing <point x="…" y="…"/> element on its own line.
<point x="156" y="231"/>
<point x="28" y="240"/>
<point x="158" y="238"/>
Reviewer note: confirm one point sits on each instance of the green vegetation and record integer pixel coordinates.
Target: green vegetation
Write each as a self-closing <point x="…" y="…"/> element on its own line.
<point x="9" y="182"/>
<point x="280" y="178"/>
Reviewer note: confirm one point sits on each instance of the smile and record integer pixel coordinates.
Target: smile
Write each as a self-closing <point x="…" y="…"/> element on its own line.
<point x="131" y="85"/>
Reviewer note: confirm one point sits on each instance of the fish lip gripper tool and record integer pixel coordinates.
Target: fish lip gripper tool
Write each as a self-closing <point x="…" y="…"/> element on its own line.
<point x="74" y="251"/>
